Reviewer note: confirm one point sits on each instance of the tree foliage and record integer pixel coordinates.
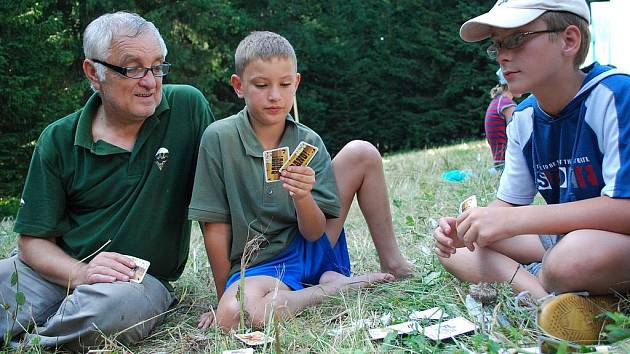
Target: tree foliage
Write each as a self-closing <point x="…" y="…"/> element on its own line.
<point x="394" y="73"/>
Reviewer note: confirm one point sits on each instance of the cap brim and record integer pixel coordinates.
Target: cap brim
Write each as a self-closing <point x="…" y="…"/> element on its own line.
<point x="479" y="27"/>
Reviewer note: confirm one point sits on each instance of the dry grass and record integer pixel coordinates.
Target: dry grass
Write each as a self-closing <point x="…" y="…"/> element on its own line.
<point x="419" y="196"/>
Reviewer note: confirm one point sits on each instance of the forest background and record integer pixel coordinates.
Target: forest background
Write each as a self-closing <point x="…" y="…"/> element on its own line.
<point x="393" y="72"/>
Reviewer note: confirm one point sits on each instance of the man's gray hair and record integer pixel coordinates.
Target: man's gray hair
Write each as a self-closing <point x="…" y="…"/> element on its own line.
<point x="100" y="33"/>
<point x="263" y="45"/>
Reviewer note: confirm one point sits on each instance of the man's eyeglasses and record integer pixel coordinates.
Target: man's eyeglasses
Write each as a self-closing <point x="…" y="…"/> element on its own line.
<point x="137" y="72"/>
<point x="514" y="41"/>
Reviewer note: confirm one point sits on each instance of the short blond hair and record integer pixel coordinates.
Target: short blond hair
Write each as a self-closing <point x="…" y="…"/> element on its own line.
<point x="263" y="45"/>
<point x="562" y="19"/>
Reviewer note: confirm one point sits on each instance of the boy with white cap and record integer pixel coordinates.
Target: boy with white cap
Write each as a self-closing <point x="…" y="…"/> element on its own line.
<point x="568" y="141"/>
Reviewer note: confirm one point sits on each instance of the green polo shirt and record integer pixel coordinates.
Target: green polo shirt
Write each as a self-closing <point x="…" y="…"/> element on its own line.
<point x="230" y="186"/>
<point x="85" y="193"/>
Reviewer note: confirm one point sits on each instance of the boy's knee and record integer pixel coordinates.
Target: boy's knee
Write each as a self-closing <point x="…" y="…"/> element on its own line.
<point x="363" y="151"/>
<point x="567" y="268"/>
<point x="228" y="314"/>
<point x="558" y="277"/>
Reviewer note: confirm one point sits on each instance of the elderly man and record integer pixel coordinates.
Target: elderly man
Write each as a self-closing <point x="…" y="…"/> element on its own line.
<point x="109" y="181"/>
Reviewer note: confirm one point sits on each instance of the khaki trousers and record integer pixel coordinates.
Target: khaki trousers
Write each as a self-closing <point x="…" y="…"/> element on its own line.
<point x="124" y="311"/>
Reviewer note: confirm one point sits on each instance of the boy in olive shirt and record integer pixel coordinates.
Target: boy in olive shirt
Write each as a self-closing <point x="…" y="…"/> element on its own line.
<point x="299" y="220"/>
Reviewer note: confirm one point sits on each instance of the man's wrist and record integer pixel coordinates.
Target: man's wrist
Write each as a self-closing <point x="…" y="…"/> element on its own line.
<point x="77" y="275"/>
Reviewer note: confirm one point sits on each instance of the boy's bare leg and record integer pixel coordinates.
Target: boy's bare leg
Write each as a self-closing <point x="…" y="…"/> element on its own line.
<point x="264" y="293"/>
<point x="588" y="260"/>
<point x="499" y="263"/>
<point x="358" y="171"/>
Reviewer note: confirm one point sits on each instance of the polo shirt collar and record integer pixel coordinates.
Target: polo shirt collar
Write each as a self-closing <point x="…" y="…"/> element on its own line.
<point x="83" y="136"/>
<point x="250" y="141"/>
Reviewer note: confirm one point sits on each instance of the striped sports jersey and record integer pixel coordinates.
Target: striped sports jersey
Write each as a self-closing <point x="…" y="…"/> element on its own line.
<point x="582" y="153"/>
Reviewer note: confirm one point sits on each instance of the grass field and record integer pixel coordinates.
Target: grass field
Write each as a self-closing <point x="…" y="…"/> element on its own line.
<point x="419" y="196"/>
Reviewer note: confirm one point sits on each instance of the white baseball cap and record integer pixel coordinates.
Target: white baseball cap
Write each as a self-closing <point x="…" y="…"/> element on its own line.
<point x="517" y="13"/>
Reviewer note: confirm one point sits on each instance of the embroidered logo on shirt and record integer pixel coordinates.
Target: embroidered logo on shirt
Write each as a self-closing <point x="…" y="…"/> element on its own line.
<point x="161" y="157"/>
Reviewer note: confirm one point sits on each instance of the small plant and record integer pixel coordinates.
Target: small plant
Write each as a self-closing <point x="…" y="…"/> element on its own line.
<point x="619" y="329"/>
<point x="20" y="300"/>
<point x="250" y="252"/>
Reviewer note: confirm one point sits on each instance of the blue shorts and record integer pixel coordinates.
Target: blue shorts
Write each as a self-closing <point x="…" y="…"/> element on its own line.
<point x="548" y="241"/>
<point x="303" y="262"/>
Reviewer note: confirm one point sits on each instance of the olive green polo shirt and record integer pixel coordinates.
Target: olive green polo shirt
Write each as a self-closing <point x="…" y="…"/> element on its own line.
<point x="230" y="186"/>
<point x="85" y="193"/>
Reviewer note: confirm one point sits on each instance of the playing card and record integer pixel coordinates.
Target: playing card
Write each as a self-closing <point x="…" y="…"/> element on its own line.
<point x="140" y="270"/>
<point x="470" y="202"/>
<point x="379" y="333"/>
<point x="400" y="328"/>
<point x="254" y="338"/>
<point x="272" y="160"/>
<point x="434" y="313"/>
<point x="301" y="156"/>
<point x="352" y="327"/>
<point x="239" y="351"/>
<point x="449" y="329"/>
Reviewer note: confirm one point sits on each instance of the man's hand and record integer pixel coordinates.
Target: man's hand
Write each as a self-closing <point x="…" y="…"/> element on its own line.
<point x="298" y="180"/>
<point x="445" y="235"/>
<point x="484" y="226"/>
<point x="106" y="267"/>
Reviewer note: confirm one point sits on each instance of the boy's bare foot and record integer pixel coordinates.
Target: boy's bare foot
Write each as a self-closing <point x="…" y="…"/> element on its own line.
<point x="400" y="270"/>
<point x="334" y="282"/>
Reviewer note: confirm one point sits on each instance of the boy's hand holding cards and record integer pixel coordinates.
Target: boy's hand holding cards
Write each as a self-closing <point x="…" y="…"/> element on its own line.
<point x="140" y="270"/>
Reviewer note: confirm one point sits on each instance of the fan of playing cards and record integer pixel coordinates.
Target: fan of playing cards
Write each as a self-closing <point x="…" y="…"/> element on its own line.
<point x="276" y="160"/>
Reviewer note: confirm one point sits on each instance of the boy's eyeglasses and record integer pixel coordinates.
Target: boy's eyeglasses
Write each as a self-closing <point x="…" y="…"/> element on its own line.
<point x="137" y="72"/>
<point x="514" y="41"/>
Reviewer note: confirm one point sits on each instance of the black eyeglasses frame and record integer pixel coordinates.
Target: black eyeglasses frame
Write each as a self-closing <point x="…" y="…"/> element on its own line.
<point x="164" y="68"/>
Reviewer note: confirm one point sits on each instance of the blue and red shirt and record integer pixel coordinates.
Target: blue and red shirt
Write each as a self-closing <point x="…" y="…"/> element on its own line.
<point x="582" y="153"/>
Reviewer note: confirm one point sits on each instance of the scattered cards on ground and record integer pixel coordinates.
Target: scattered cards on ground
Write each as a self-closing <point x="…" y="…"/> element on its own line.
<point x="239" y="351"/>
<point x="470" y="202"/>
<point x="449" y="329"/>
<point x="140" y="270"/>
<point x="254" y="338"/>
<point x="301" y="156"/>
<point x="434" y="313"/>
<point x="273" y="160"/>
<point x="352" y="327"/>
<point x="401" y="328"/>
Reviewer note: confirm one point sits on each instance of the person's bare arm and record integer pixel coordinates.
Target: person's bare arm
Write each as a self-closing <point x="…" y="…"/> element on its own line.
<point x="52" y="263"/>
<point x="217" y="238"/>
<point x="487" y="225"/>
<point x="299" y="181"/>
<point x="507" y="113"/>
